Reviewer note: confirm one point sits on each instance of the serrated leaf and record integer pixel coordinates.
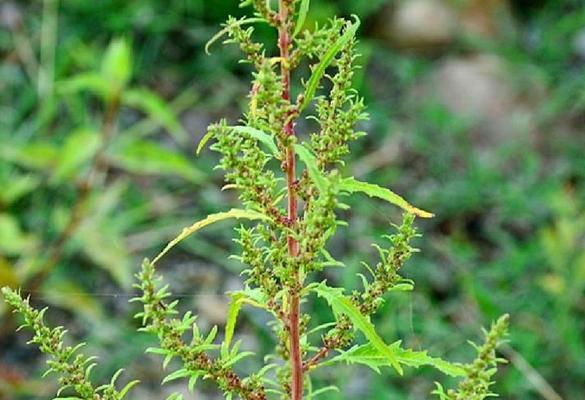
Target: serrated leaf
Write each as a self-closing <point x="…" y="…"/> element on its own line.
<point x="326" y="60"/>
<point x="341" y="304"/>
<point x="303" y="10"/>
<point x="148" y="158"/>
<point x="370" y="356"/>
<point x="209" y="220"/>
<point x="157" y="109"/>
<point x="352" y="185"/>
<point x="311" y="162"/>
<point x="78" y="149"/>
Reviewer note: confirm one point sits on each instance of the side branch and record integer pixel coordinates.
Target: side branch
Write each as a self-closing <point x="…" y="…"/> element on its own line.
<point x="157" y="318"/>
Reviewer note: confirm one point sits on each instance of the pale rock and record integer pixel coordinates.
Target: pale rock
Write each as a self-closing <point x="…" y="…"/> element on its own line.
<point x="485" y="91"/>
<point x="490" y="19"/>
<point x="419" y="24"/>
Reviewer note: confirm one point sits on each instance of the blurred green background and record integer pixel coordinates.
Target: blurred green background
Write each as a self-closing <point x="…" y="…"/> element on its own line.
<point x="477" y="111"/>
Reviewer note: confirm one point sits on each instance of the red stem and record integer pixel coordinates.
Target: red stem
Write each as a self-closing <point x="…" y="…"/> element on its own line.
<point x="296" y="361"/>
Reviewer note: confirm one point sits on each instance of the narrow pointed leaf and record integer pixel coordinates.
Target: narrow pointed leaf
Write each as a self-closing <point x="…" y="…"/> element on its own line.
<point x="209" y="220"/>
<point x="352" y="185"/>
<point x="341" y="304"/>
<point x="326" y="60"/>
<point x="303" y="10"/>
<point x="311" y="162"/>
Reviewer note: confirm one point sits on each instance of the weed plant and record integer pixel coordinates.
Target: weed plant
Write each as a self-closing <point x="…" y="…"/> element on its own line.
<point x="291" y="191"/>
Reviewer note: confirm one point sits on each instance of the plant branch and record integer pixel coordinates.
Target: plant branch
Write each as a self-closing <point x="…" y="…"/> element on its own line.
<point x="284" y="43"/>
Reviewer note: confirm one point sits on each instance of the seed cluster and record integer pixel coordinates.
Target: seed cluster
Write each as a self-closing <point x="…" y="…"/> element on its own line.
<point x="158" y="318"/>
<point x="74" y="369"/>
<point x="479" y="374"/>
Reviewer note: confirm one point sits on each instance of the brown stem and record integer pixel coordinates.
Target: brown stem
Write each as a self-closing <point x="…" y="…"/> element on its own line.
<point x="55" y="251"/>
<point x="284" y="42"/>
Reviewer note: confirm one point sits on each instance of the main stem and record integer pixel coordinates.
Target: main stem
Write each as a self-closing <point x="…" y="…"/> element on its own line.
<point x="284" y="42"/>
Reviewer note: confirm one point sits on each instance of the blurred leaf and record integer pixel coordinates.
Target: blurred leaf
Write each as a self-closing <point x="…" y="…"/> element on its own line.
<point x="8" y="275"/>
<point x="157" y="109"/>
<point x="149" y="158"/>
<point x="106" y="248"/>
<point x="68" y="295"/>
<point x="16" y="187"/>
<point x="36" y="155"/>
<point x="13" y="240"/>
<point x="90" y="82"/>
<point x="303" y="10"/>
<point x="78" y="149"/>
<point x="101" y="235"/>
<point x="117" y="64"/>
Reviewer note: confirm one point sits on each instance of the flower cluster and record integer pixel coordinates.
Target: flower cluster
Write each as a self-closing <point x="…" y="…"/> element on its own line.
<point x="74" y="369"/>
<point x="479" y="374"/>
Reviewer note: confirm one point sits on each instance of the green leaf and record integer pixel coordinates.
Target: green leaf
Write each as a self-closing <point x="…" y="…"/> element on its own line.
<point x="326" y="60"/>
<point x="79" y="148"/>
<point x="341" y="304"/>
<point x="70" y="296"/>
<point x="15" y="187"/>
<point x="311" y="162"/>
<point x="117" y="64"/>
<point x="319" y="392"/>
<point x="148" y="158"/>
<point x="370" y="356"/>
<point x="225" y="30"/>
<point x="234" y="310"/>
<point x="90" y="82"/>
<point x="352" y="185"/>
<point x="182" y="373"/>
<point x="127" y="388"/>
<point x="254" y="297"/>
<point x="209" y="220"/>
<point x="417" y="359"/>
<point x="13" y="240"/>
<point x="303" y="10"/>
<point x="41" y="155"/>
<point x="157" y="109"/>
<point x="259" y="135"/>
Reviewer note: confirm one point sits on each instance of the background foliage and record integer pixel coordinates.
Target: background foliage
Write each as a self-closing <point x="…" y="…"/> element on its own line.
<point x="476" y="117"/>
